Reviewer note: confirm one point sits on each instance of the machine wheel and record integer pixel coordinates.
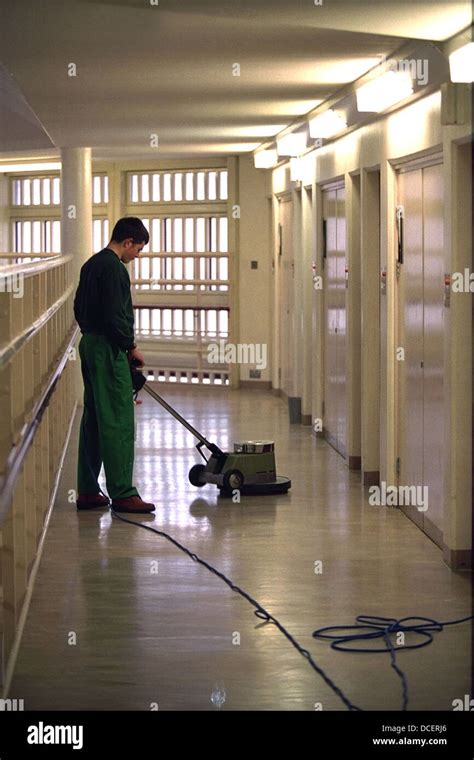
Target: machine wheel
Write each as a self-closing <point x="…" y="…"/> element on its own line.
<point x="233" y="480"/>
<point x="195" y="475"/>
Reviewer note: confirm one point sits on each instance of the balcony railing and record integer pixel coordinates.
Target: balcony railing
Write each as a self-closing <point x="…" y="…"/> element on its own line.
<point x="37" y="402"/>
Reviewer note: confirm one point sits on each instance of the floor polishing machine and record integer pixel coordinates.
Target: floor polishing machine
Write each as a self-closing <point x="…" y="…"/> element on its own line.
<point x="250" y="468"/>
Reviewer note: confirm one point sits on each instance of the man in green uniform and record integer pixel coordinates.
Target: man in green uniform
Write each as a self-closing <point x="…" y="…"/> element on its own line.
<point x="104" y="312"/>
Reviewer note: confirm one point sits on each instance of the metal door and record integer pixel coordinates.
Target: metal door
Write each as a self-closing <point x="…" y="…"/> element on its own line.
<point x="335" y="414"/>
<point x="420" y="345"/>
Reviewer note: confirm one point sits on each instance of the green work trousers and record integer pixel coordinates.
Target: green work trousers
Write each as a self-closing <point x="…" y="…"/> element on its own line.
<point x="107" y="426"/>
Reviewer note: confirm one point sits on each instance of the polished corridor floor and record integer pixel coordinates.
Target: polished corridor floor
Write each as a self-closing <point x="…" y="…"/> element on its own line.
<point x="121" y="620"/>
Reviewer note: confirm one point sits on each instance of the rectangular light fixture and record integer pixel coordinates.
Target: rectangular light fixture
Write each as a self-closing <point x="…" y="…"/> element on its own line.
<point x="383" y="92"/>
<point x="326" y="124"/>
<point x="461" y="64"/>
<point x="265" y="159"/>
<point x="292" y="145"/>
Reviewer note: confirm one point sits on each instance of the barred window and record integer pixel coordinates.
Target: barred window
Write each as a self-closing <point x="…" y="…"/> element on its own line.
<point x="196" y="238"/>
<point x="178" y="186"/>
<point x="30" y="236"/>
<point x="35" y="191"/>
<point x="45" y="190"/>
<point x="174" y="322"/>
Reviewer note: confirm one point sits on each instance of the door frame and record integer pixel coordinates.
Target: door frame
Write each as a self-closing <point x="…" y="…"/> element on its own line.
<point x="285" y="197"/>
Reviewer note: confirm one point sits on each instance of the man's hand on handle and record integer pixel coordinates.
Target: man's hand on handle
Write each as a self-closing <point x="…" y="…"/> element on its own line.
<point x="137" y="356"/>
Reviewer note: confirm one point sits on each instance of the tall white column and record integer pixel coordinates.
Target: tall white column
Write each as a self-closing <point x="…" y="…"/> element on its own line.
<point x="76" y="218"/>
<point x="4" y="212"/>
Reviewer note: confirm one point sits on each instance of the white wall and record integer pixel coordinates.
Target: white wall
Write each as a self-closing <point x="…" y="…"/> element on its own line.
<point x="255" y="285"/>
<point x="415" y="130"/>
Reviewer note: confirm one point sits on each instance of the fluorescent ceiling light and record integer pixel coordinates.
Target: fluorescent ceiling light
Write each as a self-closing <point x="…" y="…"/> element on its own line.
<point x="265" y="159"/>
<point x="461" y="64"/>
<point x="292" y="145"/>
<point x="326" y="124"/>
<point x="383" y="92"/>
<point x="31" y="167"/>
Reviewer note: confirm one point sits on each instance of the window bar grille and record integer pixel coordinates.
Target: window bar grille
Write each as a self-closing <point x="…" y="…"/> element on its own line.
<point x="46" y="191"/>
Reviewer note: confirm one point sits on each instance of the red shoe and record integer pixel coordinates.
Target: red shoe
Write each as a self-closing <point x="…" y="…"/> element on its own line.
<point x="92" y="501"/>
<point x="134" y="504"/>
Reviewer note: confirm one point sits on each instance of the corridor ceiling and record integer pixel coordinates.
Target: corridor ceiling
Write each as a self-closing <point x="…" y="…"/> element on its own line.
<point x="208" y="77"/>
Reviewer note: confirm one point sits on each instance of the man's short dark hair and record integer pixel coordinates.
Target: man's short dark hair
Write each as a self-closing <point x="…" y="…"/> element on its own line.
<point x="130" y="227"/>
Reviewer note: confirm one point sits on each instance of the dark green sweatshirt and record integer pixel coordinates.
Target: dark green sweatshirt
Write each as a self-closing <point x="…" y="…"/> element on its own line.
<point x="103" y="302"/>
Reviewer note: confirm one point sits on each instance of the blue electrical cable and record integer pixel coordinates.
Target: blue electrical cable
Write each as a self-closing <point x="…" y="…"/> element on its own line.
<point x="376" y="627"/>
<point x="260" y="611"/>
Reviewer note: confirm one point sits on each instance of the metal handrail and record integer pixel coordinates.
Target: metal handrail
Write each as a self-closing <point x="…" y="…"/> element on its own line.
<point x="9" y="351"/>
<point x="30" y="255"/>
<point x="19" y="451"/>
<point x="34" y="267"/>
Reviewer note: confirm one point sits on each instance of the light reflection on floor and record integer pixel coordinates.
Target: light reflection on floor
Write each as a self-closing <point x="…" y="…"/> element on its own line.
<point x="168" y="636"/>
